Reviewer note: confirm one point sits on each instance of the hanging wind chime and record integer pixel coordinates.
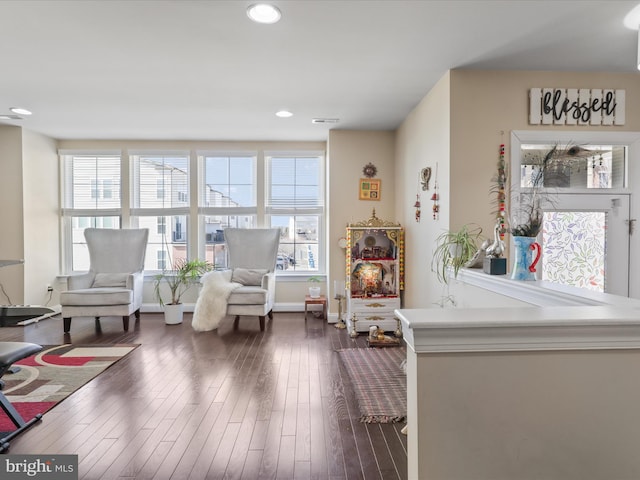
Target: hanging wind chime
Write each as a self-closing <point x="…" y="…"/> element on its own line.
<point x="435" y="198"/>
<point x="501" y="180"/>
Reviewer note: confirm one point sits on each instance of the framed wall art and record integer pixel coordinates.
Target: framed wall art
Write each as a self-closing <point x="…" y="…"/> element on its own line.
<point x="370" y="189"/>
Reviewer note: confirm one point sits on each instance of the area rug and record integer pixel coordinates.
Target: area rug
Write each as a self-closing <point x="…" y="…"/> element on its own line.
<point x="379" y="383"/>
<point x="50" y="376"/>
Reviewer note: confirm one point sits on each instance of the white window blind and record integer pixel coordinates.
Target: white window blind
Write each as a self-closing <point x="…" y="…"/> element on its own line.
<point x="91" y="182"/>
<point x="294" y="184"/>
<point x="295" y="204"/>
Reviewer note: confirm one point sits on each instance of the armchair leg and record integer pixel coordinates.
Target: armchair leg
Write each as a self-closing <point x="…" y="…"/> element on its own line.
<point x="270" y="314"/>
<point x="236" y="322"/>
<point x="67" y="324"/>
<point x="137" y="314"/>
<point x="125" y="322"/>
<point x="261" y="323"/>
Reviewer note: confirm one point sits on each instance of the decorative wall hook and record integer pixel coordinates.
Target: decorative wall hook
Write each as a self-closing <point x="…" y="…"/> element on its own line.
<point x="425" y="176"/>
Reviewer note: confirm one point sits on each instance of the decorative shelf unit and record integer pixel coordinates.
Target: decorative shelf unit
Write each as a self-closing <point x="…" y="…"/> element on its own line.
<point x="375" y="275"/>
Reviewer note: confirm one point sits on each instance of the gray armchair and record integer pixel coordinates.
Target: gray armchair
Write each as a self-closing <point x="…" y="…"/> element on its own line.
<point x="113" y="285"/>
<point x="252" y="257"/>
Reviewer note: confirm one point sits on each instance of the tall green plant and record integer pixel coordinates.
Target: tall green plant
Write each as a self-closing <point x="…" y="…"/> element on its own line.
<point x="182" y="277"/>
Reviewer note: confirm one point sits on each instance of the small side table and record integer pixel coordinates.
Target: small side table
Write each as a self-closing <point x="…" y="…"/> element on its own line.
<point x="321" y="300"/>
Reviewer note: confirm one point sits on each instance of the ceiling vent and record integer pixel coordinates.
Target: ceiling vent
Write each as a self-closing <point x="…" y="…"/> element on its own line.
<point x="325" y="120"/>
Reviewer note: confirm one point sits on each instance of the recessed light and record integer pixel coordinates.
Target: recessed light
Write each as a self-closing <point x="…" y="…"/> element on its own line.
<point x="20" y="111"/>
<point x="263" y="13"/>
<point x="10" y="117"/>
<point x="284" y="114"/>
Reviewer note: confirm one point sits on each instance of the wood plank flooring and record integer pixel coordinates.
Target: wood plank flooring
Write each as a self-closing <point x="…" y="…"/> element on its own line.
<point x="232" y="404"/>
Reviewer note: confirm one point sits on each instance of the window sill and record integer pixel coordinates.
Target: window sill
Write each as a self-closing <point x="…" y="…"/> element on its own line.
<point x="540" y="293"/>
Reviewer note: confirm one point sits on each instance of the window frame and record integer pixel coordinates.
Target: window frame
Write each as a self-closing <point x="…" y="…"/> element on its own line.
<point x="300" y="210"/>
<point x="142" y="214"/>
<point x="68" y="210"/>
<point x="129" y="212"/>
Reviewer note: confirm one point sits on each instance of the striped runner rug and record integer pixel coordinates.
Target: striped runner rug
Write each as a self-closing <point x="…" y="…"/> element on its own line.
<point x="379" y="383"/>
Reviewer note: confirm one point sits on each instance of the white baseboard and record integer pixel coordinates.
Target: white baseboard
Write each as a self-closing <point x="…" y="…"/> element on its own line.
<point x="278" y="307"/>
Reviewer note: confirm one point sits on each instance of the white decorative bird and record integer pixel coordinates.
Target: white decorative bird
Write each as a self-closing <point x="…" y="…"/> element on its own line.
<point x="496" y="249"/>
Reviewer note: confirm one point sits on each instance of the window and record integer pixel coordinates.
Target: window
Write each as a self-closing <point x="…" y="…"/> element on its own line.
<point x="161" y="260"/>
<point x="161" y="226"/>
<point x="585" y="231"/>
<point x="228" y="196"/>
<point x="573" y="166"/>
<point x="107" y="188"/>
<point x="160" y="189"/>
<point x="94" y="189"/>
<point x="237" y="189"/>
<point x="229" y="181"/>
<point x="161" y="204"/>
<point x="295" y="204"/>
<point x="83" y="206"/>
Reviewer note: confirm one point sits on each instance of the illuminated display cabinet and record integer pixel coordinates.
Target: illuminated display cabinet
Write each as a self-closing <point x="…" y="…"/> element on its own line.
<point x="375" y="274"/>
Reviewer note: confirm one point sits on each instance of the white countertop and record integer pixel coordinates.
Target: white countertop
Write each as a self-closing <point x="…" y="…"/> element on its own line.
<point x="520" y="328"/>
<point x="539" y="292"/>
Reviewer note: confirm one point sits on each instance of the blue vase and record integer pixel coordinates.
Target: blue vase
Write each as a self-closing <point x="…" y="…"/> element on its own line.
<point x="525" y="260"/>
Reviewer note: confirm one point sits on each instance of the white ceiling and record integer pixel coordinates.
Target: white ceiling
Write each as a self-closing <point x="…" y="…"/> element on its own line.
<point x="200" y="70"/>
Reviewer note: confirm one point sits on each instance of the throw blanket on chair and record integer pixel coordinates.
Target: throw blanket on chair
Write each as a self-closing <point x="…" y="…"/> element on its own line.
<point x="211" y="306"/>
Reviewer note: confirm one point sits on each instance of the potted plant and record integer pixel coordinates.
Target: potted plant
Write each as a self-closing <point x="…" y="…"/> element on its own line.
<point x="184" y="274"/>
<point x="454" y="249"/>
<point x="314" y="291"/>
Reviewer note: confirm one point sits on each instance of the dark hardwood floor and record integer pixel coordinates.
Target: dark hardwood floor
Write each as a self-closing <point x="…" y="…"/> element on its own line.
<point x="231" y="404"/>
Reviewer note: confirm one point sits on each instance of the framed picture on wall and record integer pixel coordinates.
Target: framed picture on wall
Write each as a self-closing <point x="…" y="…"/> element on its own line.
<point x="370" y="189"/>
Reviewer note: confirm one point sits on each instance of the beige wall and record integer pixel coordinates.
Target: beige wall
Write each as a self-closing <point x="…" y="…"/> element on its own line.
<point x="528" y="415"/>
<point x="485" y="106"/>
<point x="423" y="141"/>
<point x="41" y="217"/>
<point x="29" y="214"/>
<point x="348" y="152"/>
<point x="11" y="213"/>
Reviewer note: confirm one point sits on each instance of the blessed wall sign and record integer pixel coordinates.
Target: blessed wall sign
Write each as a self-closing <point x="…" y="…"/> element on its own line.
<point x="576" y="106"/>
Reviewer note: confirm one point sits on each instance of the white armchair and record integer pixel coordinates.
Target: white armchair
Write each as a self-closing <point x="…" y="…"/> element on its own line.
<point x="252" y="257"/>
<point x="113" y="285"/>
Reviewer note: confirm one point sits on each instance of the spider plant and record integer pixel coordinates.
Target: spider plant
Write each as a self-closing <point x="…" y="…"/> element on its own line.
<point x="454" y="249"/>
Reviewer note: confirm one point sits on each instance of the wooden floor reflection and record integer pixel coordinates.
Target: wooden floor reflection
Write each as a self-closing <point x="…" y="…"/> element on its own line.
<point x="232" y="403"/>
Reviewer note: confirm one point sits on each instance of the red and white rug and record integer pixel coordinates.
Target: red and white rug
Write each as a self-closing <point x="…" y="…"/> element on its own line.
<point x="53" y="374"/>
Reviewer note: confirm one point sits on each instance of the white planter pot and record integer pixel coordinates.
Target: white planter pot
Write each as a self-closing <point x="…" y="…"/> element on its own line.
<point x="173" y="314"/>
<point x="314" y="292"/>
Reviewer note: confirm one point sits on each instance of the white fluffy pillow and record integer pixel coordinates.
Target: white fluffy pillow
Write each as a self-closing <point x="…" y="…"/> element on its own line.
<point x="247" y="276"/>
<point x="110" y="280"/>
